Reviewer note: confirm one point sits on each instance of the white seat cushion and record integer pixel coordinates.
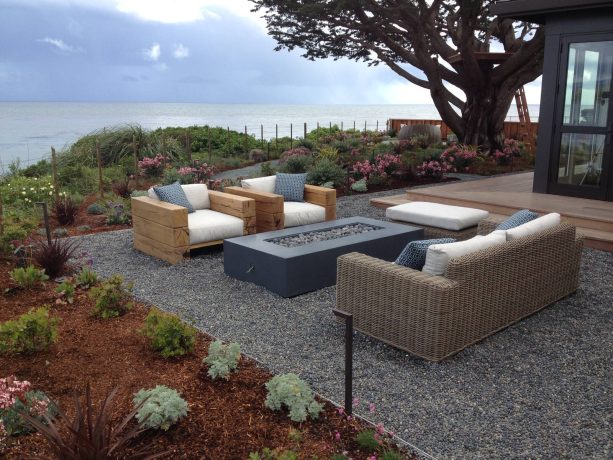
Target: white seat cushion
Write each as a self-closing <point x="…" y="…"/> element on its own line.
<point x="197" y="195"/>
<point x="205" y="225"/>
<point x="260" y="184"/>
<point x="439" y="255"/>
<point x="302" y="213"/>
<point x="436" y="215"/>
<point x="534" y="226"/>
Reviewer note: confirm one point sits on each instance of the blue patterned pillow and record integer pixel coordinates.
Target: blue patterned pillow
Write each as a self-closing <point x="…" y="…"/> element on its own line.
<point x="517" y="219"/>
<point x="291" y="186"/>
<point x="414" y="254"/>
<point x="173" y="194"/>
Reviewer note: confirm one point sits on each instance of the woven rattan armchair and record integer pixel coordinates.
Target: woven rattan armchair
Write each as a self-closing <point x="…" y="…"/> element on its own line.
<point x="434" y="317"/>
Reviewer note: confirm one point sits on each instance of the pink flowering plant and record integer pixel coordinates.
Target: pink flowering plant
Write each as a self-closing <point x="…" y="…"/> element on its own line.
<point x="17" y="398"/>
<point x="376" y="171"/>
<point x="296" y="152"/>
<point x="152" y="167"/>
<point x="200" y="173"/>
<point x="461" y="156"/>
<point x="434" y="169"/>
<point x="511" y="149"/>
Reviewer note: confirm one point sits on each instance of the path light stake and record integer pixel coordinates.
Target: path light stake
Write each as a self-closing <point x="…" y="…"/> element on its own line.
<point x="348" y="317"/>
<point x="43" y="204"/>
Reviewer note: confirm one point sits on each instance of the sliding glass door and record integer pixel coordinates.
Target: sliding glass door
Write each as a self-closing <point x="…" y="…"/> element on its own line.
<point x="582" y="143"/>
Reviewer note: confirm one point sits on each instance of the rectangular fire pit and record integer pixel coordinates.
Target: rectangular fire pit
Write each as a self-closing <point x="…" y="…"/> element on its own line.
<point x="265" y="258"/>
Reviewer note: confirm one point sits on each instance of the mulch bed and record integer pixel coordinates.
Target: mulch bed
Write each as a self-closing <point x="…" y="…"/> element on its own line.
<point x="226" y="419"/>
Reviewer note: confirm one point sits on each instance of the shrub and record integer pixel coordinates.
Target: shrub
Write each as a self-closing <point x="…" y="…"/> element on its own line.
<point x="434" y="169"/>
<point x="112" y="298"/>
<point x="54" y="257"/>
<point x="65" y="209"/>
<point x="306" y="143"/>
<point x="60" y="232"/>
<point x="22" y="192"/>
<point x="18" y="399"/>
<point x="122" y="188"/>
<point x="116" y="214"/>
<point x="328" y="153"/>
<point x="266" y="169"/>
<point x="256" y="155"/>
<point x="391" y="455"/>
<point x="325" y="171"/>
<point x="96" y="209"/>
<point x="290" y="391"/>
<point x="296" y="164"/>
<point x="32" y="331"/>
<point x="172" y="175"/>
<point x="86" y="277"/>
<point x="66" y="289"/>
<point x="152" y="167"/>
<point x="295" y="152"/>
<point x="136" y="193"/>
<point x="28" y="277"/>
<point x="160" y="407"/>
<point x="88" y="435"/>
<point x="84" y="228"/>
<point x="222" y="359"/>
<point x="382" y="166"/>
<point x="460" y="156"/>
<point x="277" y="454"/>
<point x="366" y="439"/>
<point x="168" y="334"/>
<point x="359" y="186"/>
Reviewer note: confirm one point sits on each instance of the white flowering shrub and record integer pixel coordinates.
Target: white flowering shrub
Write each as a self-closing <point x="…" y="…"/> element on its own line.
<point x="160" y="407"/>
<point x="222" y="359"/>
<point x="21" y="191"/>
<point x="294" y="393"/>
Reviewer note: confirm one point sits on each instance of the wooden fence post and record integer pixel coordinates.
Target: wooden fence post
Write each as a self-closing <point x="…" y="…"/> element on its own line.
<point x="317" y="135"/>
<point x="1" y="216"/>
<point x="135" y="158"/>
<point x="342" y="126"/>
<point x="305" y="129"/>
<point x="100" y="183"/>
<point x="262" y="135"/>
<point x="377" y="125"/>
<point x="228" y="141"/>
<point x="208" y="135"/>
<point x="353" y="125"/>
<point x="364" y="126"/>
<point x="163" y="145"/>
<point x="291" y="135"/>
<point x="246" y="145"/>
<point x="277" y="138"/>
<point x="56" y="185"/>
<point x="188" y="147"/>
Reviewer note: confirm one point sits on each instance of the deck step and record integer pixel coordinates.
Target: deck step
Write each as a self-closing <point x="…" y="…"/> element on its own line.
<point x="593" y="237"/>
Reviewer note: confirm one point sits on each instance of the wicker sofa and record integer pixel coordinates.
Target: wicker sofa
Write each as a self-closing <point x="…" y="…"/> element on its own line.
<point x="434" y="317"/>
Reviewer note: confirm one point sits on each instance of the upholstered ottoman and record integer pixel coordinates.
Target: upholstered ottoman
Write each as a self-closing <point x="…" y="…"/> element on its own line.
<point x="439" y="220"/>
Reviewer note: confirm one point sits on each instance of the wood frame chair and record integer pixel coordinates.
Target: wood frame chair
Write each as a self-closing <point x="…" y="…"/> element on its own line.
<point x="269" y="206"/>
<point x="160" y="229"/>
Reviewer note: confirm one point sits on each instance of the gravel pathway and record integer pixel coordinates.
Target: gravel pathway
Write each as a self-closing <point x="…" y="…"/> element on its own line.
<point x="539" y="389"/>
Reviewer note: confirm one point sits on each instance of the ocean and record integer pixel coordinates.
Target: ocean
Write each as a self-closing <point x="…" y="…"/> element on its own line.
<point x="28" y="130"/>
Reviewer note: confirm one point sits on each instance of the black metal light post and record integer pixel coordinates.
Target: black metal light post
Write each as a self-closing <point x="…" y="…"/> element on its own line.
<point x="348" y="317"/>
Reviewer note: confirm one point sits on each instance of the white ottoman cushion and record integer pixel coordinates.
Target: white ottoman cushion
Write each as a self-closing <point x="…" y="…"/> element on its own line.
<point x="205" y="225"/>
<point x="439" y="255"/>
<point x="302" y="213"/>
<point x="436" y="215"/>
<point x="534" y="226"/>
<point x="260" y="184"/>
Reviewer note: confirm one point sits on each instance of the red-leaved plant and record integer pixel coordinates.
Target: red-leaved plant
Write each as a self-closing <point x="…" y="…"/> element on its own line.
<point x="54" y="256"/>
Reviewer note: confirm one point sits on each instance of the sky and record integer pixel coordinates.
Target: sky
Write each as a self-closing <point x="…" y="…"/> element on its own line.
<point x="205" y="51"/>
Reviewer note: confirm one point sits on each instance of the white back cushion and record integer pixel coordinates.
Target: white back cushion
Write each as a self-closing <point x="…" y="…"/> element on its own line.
<point x="260" y="184"/>
<point x="534" y="226"/>
<point x="437" y="215"/>
<point x="439" y="255"/>
<point x="197" y="195"/>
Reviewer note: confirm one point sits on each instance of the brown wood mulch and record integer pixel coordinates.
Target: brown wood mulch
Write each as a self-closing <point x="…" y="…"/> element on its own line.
<point x="226" y="419"/>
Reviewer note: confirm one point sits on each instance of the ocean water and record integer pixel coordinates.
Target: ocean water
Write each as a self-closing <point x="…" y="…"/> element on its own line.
<point x="28" y="130"/>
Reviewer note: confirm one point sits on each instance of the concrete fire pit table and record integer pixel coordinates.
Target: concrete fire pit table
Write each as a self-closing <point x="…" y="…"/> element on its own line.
<point x="310" y="265"/>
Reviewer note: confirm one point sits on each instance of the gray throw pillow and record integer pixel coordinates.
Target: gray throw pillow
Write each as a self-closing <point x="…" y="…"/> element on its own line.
<point x="291" y="186"/>
<point x="173" y="194"/>
<point x="414" y="253"/>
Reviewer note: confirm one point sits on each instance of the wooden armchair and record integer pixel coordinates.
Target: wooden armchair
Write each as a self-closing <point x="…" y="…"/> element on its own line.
<point x="163" y="230"/>
<point x="271" y="212"/>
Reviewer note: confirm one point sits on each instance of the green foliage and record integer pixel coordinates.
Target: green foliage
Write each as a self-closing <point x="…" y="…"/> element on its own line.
<point x="277" y="454"/>
<point x="136" y="193"/>
<point x="306" y="143"/>
<point x="172" y="175"/>
<point x="339" y="457"/>
<point x="391" y="455"/>
<point x="112" y="298"/>
<point x="359" y="186"/>
<point x="266" y="169"/>
<point x="328" y="153"/>
<point x="296" y="164"/>
<point x="60" y="232"/>
<point x="117" y="213"/>
<point x="23" y="192"/>
<point x="96" y="209"/>
<point x="18" y="225"/>
<point x="84" y="228"/>
<point x="39" y="169"/>
<point x="222" y="359"/>
<point x="160" y="407"/>
<point x="290" y="391"/>
<point x="86" y="277"/>
<point x="66" y="289"/>
<point x="32" y="331"/>
<point x="168" y="334"/>
<point x="366" y="440"/>
<point x="28" y="277"/>
<point x="326" y="171"/>
<point x="35" y="403"/>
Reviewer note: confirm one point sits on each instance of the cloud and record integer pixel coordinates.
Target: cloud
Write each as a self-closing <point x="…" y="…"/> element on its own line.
<point x="180" y="51"/>
<point x="167" y="12"/>
<point x="59" y="45"/>
<point x="153" y="53"/>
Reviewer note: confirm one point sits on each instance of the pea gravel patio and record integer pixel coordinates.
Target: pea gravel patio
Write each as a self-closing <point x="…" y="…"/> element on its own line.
<point x="539" y="389"/>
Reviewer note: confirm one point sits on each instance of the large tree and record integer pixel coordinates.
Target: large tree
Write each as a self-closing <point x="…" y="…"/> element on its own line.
<point x="431" y="43"/>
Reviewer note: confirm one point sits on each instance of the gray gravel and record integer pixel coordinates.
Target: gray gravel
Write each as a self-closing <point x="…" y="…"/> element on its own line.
<point x="539" y="389"/>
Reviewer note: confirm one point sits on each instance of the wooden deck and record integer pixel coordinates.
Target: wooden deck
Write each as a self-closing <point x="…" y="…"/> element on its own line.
<point x="504" y="195"/>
